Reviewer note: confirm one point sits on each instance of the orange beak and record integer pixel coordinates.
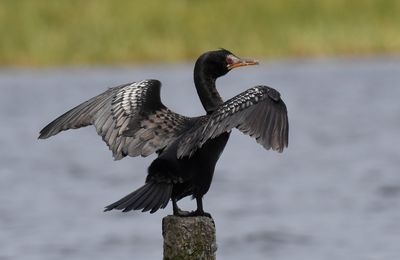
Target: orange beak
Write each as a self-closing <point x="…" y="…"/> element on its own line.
<point x="235" y="62"/>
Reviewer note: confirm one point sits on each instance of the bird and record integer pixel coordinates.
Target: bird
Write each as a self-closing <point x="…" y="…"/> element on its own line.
<point x="132" y="121"/>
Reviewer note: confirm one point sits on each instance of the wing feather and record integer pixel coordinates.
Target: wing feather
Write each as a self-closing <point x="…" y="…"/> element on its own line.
<point x="258" y="112"/>
<point x="130" y="119"/>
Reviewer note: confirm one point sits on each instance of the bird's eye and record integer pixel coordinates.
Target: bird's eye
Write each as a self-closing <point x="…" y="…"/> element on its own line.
<point x="229" y="60"/>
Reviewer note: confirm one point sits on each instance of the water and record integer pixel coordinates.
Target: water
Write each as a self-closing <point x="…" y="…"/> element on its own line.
<point x="334" y="194"/>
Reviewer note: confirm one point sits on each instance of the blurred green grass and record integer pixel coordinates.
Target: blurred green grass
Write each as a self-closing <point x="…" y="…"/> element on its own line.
<point x="70" y="32"/>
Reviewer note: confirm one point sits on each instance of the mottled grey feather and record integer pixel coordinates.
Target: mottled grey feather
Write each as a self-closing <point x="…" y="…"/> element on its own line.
<point x="130" y="119"/>
<point x="258" y="112"/>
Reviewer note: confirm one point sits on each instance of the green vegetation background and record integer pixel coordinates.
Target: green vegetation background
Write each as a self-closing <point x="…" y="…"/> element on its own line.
<point x="69" y="32"/>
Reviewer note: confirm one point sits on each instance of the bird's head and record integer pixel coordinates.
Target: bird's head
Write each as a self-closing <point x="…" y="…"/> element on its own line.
<point x="217" y="63"/>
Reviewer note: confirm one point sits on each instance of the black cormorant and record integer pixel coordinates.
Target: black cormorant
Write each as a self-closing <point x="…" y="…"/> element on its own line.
<point x="133" y="121"/>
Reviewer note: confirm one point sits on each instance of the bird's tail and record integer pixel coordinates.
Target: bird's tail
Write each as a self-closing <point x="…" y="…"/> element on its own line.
<point x="151" y="196"/>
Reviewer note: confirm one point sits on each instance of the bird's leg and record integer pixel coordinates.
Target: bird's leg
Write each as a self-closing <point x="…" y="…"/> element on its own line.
<point x="177" y="211"/>
<point x="199" y="211"/>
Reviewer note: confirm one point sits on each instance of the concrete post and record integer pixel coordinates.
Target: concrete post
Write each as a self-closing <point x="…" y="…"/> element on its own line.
<point x="189" y="238"/>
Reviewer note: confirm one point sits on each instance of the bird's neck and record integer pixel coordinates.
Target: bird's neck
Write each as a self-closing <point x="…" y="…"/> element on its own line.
<point x="208" y="94"/>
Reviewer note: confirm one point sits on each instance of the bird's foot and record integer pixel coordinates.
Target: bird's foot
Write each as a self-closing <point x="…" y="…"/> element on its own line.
<point x="201" y="214"/>
<point x="181" y="213"/>
<point x="196" y="213"/>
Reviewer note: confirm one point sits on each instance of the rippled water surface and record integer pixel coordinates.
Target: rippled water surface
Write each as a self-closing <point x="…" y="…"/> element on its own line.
<point x="334" y="194"/>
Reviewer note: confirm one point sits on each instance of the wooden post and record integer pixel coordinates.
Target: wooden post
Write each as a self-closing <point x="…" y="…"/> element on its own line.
<point x="191" y="238"/>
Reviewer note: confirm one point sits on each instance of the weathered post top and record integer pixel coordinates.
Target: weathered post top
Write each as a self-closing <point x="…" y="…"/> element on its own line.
<point x="191" y="238"/>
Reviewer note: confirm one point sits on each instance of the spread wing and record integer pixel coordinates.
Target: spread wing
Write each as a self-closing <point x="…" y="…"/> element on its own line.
<point x="258" y="112"/>
<point x="130" y="118"/>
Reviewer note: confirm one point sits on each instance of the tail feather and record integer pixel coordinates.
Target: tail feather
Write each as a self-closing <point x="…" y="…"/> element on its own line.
<point x="128" y="199"/>
<point x="166" y="196"/>
<point x="157" y="200"/>
<point x="150" y="197"/>
<point x="132" y="202"/>
<point x="138" y="203"/>
<point x="148" y="200"/>
<point x="153" y="202"/>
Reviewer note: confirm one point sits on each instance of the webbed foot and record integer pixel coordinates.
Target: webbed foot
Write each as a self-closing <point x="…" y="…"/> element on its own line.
<point x="181" y="213"/>
<point x="199" y="212"/>
<point x="196" y="213"/>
